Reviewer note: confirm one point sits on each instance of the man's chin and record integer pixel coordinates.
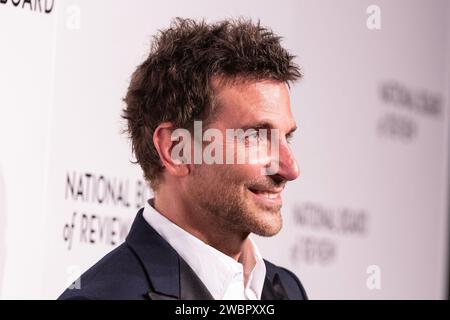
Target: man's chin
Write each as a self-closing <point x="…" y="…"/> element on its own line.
<point x="269" y="225"/>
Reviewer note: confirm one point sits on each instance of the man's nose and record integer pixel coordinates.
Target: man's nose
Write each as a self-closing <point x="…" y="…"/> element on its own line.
<point x="288" y="168"/>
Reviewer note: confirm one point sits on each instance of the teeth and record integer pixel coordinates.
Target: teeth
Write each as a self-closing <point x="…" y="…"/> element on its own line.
<point x="266" y="194"/>
<point x="270" y="195"/>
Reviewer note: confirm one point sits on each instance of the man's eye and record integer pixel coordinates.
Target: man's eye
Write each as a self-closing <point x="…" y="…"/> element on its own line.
<point x="253" y="135"/>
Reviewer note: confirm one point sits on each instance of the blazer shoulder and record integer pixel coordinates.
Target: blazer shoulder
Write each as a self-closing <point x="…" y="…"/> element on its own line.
<point x="118" y="275"/>
<point x="290" y="281"/>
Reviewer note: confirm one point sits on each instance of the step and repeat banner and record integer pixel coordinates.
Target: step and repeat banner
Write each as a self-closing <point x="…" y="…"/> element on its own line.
<point x="368" y="216"/>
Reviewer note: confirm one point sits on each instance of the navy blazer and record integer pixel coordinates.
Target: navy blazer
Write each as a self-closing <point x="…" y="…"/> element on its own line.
<point x="145" y="266"/>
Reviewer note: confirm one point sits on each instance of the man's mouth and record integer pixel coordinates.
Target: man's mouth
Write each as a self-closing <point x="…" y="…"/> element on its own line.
<point x="267" y="196"/>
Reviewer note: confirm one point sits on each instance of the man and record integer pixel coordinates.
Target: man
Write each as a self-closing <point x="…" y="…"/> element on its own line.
<point x="191" y="241"/>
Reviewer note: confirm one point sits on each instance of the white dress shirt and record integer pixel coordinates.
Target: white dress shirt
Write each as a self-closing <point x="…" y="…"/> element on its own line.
<point x="222" y="275"/>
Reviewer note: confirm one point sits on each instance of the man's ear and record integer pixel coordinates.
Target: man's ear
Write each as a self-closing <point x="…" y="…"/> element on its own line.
<point x="162" y="139"/>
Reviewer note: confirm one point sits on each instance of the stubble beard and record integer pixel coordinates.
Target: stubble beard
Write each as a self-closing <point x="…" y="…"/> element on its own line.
<point x="231" y="208"/>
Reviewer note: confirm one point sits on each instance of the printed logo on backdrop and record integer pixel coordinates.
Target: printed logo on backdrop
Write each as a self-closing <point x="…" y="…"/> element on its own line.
<point x="88" y="196"/>
<point x="321" y="228"/>
<point x="42" y="6"/>
<point x="406" y="107"/>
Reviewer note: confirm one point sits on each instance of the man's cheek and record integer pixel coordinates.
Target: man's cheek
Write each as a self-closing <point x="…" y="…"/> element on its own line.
<point x="246" y="173"/>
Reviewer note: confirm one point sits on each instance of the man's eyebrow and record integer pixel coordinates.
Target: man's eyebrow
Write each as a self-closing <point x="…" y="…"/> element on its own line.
<point x="259" y="125"/>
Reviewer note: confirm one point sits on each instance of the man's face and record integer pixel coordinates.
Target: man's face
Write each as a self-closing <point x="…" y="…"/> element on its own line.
<point x="239" y="196"/>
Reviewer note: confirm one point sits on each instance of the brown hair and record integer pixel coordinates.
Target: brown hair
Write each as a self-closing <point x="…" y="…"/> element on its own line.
<point x="174" y="82"/>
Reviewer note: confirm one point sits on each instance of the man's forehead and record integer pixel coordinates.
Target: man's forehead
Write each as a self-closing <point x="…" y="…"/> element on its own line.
<point x="256" y="102"/>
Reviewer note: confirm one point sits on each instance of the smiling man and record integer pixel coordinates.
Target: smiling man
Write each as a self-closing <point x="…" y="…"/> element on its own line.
<point x="192" y="240"/>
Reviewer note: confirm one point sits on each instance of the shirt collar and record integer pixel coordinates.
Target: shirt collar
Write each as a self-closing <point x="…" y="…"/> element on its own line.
<point x="215" y="269"/>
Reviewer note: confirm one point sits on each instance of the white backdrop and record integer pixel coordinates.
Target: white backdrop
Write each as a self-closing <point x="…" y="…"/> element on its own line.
<point x="367" y="218"/>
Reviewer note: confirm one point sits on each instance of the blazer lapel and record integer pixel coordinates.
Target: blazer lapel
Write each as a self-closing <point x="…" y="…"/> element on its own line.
<point x="170" y="277"/>
<point x="158" y="258"/>
<point x="273" y="289"/>
<point x="191" y="287"/>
